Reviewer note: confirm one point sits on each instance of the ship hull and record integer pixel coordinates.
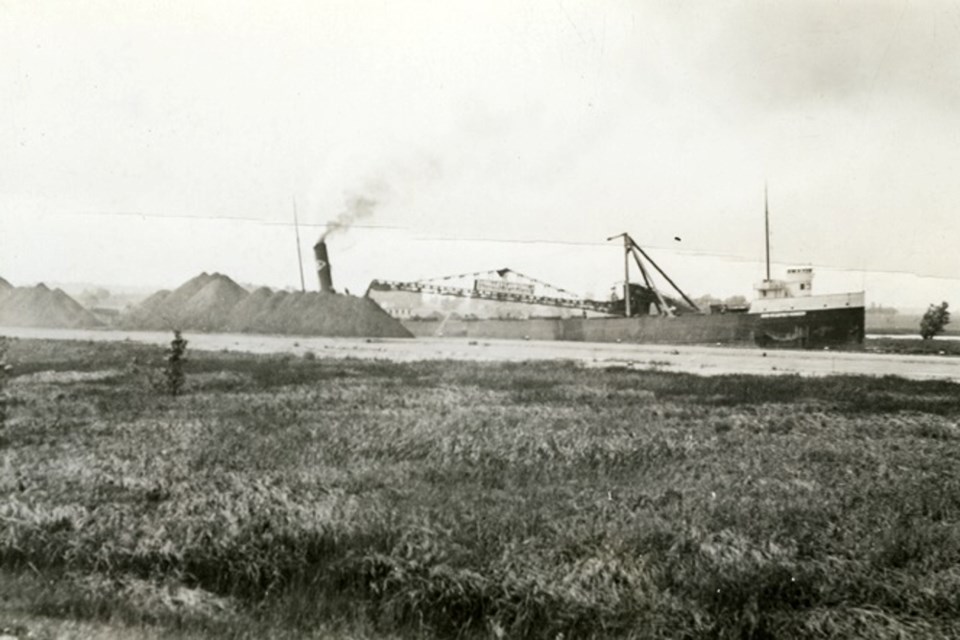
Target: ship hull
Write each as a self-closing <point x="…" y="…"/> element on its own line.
<point x="812" y="329"/>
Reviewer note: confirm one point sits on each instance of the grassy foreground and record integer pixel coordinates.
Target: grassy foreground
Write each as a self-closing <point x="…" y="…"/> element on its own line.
<point x="292" y="498"/>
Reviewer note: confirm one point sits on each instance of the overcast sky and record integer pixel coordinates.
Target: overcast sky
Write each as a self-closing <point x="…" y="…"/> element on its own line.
<point x="143" y="142"/>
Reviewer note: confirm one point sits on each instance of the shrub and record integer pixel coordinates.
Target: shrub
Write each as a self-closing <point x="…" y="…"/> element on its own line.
<point x="173" y="372"/>
<point x="934" y="320"/>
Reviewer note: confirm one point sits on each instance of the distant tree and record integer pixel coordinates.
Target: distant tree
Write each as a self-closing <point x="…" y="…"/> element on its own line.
<point x="736" y="301"/>
<point x="93" y="297"/>
<point x="934" y="320"/>
<point x="706" y="300"/>
<point x="881" y="310"/>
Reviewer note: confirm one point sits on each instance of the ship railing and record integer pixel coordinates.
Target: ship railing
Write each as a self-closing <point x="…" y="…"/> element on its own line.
<point x="571" y="303"/>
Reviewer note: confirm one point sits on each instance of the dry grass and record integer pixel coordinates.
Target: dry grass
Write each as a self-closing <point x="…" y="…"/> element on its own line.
<point x="284" y="497"/>
<point x="940" y="346"/>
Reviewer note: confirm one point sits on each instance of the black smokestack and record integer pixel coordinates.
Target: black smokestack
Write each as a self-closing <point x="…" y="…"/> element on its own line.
<point x="323" y="266"/>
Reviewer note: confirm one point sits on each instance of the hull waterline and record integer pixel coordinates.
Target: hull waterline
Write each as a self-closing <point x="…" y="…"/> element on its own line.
<point x="813" y="329"/>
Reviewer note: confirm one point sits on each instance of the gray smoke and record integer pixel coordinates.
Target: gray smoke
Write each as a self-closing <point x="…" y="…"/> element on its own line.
<point x="359" y="205"/>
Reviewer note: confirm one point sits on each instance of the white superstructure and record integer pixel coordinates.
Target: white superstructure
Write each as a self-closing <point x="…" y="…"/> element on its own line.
<point x="795" y="294"/>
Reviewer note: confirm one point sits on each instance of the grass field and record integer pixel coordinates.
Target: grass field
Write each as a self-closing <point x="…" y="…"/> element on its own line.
<point x="302" y="497"/>
<point x="913" y="346"/>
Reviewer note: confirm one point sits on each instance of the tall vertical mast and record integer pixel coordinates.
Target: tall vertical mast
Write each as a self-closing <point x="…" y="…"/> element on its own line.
<point x="626" y="274"/>
<point x="766" y="225"/>
<point x="627" y="246"/>
<point x="296" y="229"/>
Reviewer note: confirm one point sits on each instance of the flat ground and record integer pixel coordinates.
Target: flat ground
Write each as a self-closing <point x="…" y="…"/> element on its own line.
<point x="909" y="358"/>
<point x="306" y="496"/>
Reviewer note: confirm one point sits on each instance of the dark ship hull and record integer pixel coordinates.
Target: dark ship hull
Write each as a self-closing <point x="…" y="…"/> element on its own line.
<point x="808" y="329"/>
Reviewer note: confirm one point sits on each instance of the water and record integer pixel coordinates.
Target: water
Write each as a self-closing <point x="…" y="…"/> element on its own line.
<point x="698" y="359"/>
<point x="906" y="336"/>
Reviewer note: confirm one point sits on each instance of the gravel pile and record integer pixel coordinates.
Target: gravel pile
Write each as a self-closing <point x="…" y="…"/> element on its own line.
<point x="41" y="306"/>
<point x="215" y="303"/>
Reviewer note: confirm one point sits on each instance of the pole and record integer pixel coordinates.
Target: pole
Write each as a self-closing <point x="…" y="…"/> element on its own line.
<point x="766" y="227"/>
<point x="626" y="274"/>
<point x="296" y="230"/>
<point x="626" y="269"/>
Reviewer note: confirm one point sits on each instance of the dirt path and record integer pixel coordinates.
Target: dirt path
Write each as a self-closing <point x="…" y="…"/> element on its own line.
<point x="696" y="359"/>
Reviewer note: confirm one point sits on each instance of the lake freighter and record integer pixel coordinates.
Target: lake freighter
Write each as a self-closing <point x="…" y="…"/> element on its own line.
<point x="506" y="304"/>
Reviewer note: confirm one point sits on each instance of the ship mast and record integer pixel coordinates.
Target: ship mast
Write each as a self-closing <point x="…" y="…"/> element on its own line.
<point x="626" y="269"/>
<point x="626" y="274"/>
<point x="766" y="225"/>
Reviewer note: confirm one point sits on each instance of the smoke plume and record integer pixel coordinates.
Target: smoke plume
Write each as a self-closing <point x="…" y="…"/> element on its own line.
<point x="358" y="205"/>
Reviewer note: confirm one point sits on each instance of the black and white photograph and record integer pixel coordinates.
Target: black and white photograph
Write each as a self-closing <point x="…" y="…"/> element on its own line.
<point x="546" y="319"/>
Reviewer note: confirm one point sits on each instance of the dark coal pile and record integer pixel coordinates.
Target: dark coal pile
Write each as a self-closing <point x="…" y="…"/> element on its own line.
<point x="323" y="314"/>
<point x="215" y="303"/>
<point x="41" y="306"/>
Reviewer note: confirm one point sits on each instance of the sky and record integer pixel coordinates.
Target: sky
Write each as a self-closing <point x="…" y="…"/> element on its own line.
<point x="144" y="142"/>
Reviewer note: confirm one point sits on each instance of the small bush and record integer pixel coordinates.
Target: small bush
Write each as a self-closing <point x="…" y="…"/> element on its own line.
<point x="176" y="356"/>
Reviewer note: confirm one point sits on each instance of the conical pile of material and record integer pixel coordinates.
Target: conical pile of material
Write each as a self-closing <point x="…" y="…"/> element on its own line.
<point x="320" y="314"/>
<point x="40" y="306"/>
<point x="5" y="289"/>
<point x="254" y="310"/>
<point x="201" y="304"/>
<point x="143" y="314"/>
<point x="217" y="303"/>
<point x="209" y="308"/>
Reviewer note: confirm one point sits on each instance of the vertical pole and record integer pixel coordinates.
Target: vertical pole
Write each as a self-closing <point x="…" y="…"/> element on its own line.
<point x="626" y="273"/>
<point x="296" y="229"/>
<point x="766" y="227"/>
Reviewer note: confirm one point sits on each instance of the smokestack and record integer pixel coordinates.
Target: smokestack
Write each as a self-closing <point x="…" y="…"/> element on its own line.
<point x="323" y="266"/>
